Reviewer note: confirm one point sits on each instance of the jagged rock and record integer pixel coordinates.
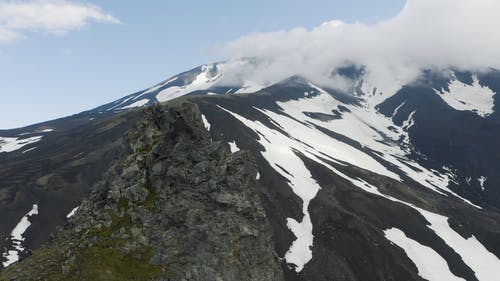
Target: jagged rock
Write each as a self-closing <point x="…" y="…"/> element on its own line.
<point x="175" y="207"/>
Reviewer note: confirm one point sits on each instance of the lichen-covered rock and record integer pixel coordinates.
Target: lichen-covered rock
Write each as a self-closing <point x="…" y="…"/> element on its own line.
<point x="176" y="206"/>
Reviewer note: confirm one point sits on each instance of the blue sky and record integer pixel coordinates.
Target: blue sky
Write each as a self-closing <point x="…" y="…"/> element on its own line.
<point x="50" y="73"/>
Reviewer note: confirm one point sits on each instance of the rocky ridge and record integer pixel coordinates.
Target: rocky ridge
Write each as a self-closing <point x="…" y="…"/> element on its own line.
<point x="176" y="206"/>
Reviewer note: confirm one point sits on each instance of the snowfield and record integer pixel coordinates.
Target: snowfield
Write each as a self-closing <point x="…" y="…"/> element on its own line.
<point x="13" y="144"/>
<point x="431" y="266"/>
<point x="203" y="81"/>
<point x="17" y="237"/>
<point x="474" y="98"/>
<point x="303" y="135"/>
<point x="136" y="104"/>
<point x="365" y="125"/>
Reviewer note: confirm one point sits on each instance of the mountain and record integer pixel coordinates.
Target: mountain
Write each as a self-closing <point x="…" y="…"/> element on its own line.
<point x="174" y="205"/>
<point x="354" y="184"/>
<point x="211" y="79"/>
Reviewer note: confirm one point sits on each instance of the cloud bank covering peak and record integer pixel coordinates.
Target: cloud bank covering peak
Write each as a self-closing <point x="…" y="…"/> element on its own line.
<point x="426" y="34"/>
<point x="47" y="16"/>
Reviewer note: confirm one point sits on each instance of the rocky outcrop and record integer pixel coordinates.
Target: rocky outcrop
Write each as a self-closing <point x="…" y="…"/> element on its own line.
<point x="176" y="206"/>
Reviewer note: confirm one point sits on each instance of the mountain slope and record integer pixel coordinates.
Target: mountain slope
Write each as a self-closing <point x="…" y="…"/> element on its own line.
<point x="209" y="79"/>
<point x="54" y="173"/>
<point x="175" y="206"/>
<point x="346" y="214"/>
<point x="357" y="184"/>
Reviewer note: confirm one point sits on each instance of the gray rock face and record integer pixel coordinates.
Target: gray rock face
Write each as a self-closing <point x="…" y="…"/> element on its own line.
<point x="185" y="207"/>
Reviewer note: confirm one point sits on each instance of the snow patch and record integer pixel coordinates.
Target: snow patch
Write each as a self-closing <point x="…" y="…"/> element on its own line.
<point x="136" y="104"/>
<point x="373" y="95"/>
<point x="397" y="109"/>
<point x="250" y="87"/>
<point x="205" y="122"/>
<point x="482" y="181"/>
<point x="234" y="147"/>
<point x="37" y="132"/>
<point x="152" y="89"/>
<point x="118" y="103"/>
<point x="30" y="149"/>
<point x="13" y="144"/>
<point x="203" y="81"/>
<point x="73" y="212"/>
<point x="431" y="266"/>
<point x="17" y="237"/>
<point x="463" y="97"/>
<point x="407" y="124"/>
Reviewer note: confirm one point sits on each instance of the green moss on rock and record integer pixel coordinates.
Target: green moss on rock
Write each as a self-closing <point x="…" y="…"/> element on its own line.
<point x="107" y="264"/>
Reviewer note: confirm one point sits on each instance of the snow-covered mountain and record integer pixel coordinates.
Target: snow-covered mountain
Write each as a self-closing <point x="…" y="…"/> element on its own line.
<point x="210" y="79"/>
<point x="358" y="183"/>
<point x="381" y="122"/>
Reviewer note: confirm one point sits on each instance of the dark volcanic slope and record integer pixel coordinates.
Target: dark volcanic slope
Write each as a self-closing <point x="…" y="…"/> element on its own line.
<point x="58" y="172"/>
<point x="355" y="211"/>
<point x="463" y="140"/>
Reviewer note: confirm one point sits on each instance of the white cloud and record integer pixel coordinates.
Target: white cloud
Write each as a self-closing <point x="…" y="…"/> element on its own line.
<point x="425" y="34"/>
<point x="47" y="16"/>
